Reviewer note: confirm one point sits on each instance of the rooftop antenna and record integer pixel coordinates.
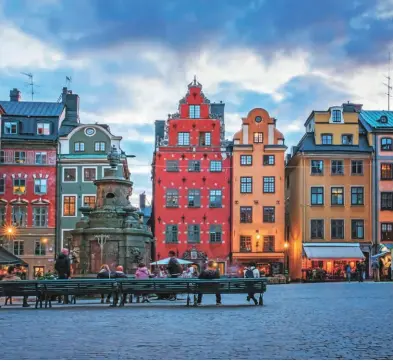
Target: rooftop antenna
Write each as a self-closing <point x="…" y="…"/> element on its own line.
<point x="388" y="84"/>
<point x="31" y="83"/>
<point x="68" y="81"/>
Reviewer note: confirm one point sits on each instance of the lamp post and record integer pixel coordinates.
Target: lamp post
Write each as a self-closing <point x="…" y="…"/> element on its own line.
<point x="286" y="271"/>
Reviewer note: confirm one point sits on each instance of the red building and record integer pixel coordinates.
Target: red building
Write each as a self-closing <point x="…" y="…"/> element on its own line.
<point x="29" y="133"/>
<point x="191" y="182"/>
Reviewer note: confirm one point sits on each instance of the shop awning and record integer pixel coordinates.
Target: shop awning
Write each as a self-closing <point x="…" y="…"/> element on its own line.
<point x="7" y="258"/>
<point x="333" y="251"/>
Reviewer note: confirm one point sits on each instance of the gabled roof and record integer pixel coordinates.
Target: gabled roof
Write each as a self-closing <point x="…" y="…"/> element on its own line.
<point x="7" y="258"/>
<point x="37" y="109"/>
<point x="372" y="118"/>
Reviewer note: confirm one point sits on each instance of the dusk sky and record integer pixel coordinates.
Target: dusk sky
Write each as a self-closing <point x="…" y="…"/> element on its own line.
<point x="131" y="60"/>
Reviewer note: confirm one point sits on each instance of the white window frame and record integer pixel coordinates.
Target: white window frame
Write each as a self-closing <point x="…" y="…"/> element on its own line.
<point x="87" y="195"/>
<point x="79" y="148"/>
<point x="332" y="109"/>
<point x="11" y="122"/>
<point x="103" y="170"/>
<point x="76" y="205"/>
<point x="63" y="174"/>
<point x="83" y="174"/>
<point x="99" y="146"/>
<point x="46" y="185"/>
<point x="62" y="235"/>
<point x="44" y="126"/>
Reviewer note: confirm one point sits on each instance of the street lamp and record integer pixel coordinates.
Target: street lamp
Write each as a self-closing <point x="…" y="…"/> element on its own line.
<point x="286" y="246"/>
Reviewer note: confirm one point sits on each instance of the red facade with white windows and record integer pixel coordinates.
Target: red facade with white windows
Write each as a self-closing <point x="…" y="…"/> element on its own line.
<point x="191" y="180"/>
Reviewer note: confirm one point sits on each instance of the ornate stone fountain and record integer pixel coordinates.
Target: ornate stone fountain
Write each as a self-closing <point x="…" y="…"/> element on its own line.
<point x="113" y="231"/>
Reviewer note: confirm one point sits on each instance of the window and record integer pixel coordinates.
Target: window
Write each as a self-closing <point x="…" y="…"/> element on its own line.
<point x="171" y="234"/>
<point x="387" y="201"/>
<point x="246" y="160"/>
<point x="245" y="214"/>
<point x="195" y="111"/>
<point x="204" y="139"/>
<point x="317" y="228"/>
<point x="40" y="158"/>
<point x="19" y="186"/>
<point x="337" y="167"/>
<point x="172" y="198"/>
<point x="269" y="184"/>
<point x="357" y="196"/>
<point x="69" y="206"/>
<point x="79" y="147"/>
<point x="268" y="160"/>
<point x="2" y="156"/>
<point x="386" y="171"/>
<point x="172" y="165"/>
<point x="336" y="116"/>
<point x="40" y="216"/>
<point x="383" y="119"/>
<point x="40" y="186"/>
<point x="327" y="138"/>
<point x="183" y="139"/>
<point x="245" y="184"/>
<point x="193" y="233"/>
<point x="2" y="216"/>
<point x="317" y="167"/>
<point x="269" y="214"/>
<point x="258" y="137"/>
<point x="20" y="157"/>
<point x="215" y="198"/>
<point x="357" y="226"/>
<point x="69" y="175"/>
<point x="194" y="198"/>
<point x="194" y="166"/>
<point x="347" y="139"/>
<point x="386" y="231"/>
<point x="268" y="244"/>
<point x="215" y="166"/>
<point x="245" y="244"/>
<point x="38" y="271"/>
<point x="99" y="146"/>
<point x="357" y="167"/>
<point x="43" y="128"/>
<point x="40" y="248"/>
<point x="215" y="233"/>
<point x="19" y="216"/>
<point x="2" y="185"/>
<point x="386" y="144"/>
<point x="337" y="196"/>
<point x="316" y="196"/>
<point x="89" y="201"/>
<point x="19" y="248"/>
<point x="10" y="128"/>
<point x="89" y="174"/>
<point x="337" y="228"/>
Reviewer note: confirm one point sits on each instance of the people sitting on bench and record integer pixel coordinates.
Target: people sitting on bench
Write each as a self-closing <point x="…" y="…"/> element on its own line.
<point x="119" y="273"/>
<point x="11" y="276"/>
<point x="211" y="272"/>
<point x="105" y="273"/>
<point x="142" y="273"/>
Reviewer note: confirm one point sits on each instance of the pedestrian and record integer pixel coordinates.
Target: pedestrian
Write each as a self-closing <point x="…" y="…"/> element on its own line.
<point x="119" y="273"/>
<point x="363" y="270"/>
<point x="174" y="268"/>
<point x="63" y="268"/>
<point x="375" y="268"/>
<point x="348" y="271"/>
<point x="359" y="271"/>
<point x="105" y="273"/>
<point x="142" y="273"/>
<point x="211" y="272"/>
<point x="252" y="272"/>
<point x="11" y="276"/>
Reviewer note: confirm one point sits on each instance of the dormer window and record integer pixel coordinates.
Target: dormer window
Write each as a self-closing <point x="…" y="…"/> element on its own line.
<point x="195" y="111"/>
<point x="383" y="119"/>
<point x="10" y="128"/>
<point x="43" y="128"/>
<point x="336" y="115"/>
<point x="347" y="139"/>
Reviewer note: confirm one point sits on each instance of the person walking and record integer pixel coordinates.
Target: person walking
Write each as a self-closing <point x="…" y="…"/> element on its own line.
<point x="348" y="272"/>
<point x="142" y="273"/>
<point x="63" y="268"/>
<point x="11" y="276"/>
<point x="210" y="273"/>
<point x="375" y="268"/>
<point x="252" y="272"/>
<point x="105" y="273"/>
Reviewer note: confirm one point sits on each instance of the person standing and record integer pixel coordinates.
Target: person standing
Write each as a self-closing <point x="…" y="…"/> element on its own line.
<point x="63" y="268"/>
<point x="375" y="268"/>
<point x="208" y="274"/>
<point x="174" y="268"/>
<point x="348" y="272"/>
<point x="252" y="272"/>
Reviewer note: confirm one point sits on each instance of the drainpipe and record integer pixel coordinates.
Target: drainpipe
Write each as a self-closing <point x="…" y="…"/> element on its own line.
<point x="375" y="200"/>
<point x="57" y="203"/>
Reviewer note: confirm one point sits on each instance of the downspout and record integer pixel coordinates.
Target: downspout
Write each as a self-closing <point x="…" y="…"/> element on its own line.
<point x="58" y="211"/>
<point x="304" y="209"/>
<point x="375" y="181"/>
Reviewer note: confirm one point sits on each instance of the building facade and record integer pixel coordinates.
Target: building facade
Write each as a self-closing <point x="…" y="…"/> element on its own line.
<point x="258" y="191"/>
<point x="328" y="181"/>
<point x="29" y="133"/>
<point x="191" y="182"/>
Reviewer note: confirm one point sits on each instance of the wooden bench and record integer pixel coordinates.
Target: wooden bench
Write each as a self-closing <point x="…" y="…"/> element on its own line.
<point x="22" y="289"/>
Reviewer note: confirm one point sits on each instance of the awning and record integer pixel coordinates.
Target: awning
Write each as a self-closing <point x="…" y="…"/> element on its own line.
<point x="7" y="258"/>
<point x="333" y="251"/>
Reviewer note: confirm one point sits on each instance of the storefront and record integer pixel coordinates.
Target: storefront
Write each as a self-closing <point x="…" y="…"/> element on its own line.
<point x="327" y="261"/>
<point x="268" y="264"/>
<point x="7" y="259"/>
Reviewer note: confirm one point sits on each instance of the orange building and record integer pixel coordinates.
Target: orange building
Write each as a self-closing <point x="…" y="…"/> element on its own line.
<point x="328" y="179"/>
<point x="258" y="209"/>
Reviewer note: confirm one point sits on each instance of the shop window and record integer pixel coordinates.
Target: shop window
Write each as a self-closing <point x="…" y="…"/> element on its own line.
<point x="245" y="184"/>
<point x="172" y="198"/>
<point x="171" y="232"/>
<point x="19" y="186"/>
<point x="337" y="196"/>
<point x="357" y="196"/>
<point x="69" y="175"/>
<point x="245" y="214"/>
<point x="40" y="216"/>
<point x="337" y="167"/>
<point x="194" y="232"/>
<point x="337" y="228"/>
<point x="194" y="198"/>
<point x="215" y="233"/>
<point x="195" y="111"/>
<point x="43" y="128"/>
<point x="79" y="147"/>
<point x="268" y="243"/>
<point x="172" y="166"/>
<point x="204" y="139"/>
<point x="215" y="166"/>
<point x="386" y="144"/>
<point x="317" y="229"/>
<point x="183" y="139"/>
<point x="268" y="160"/>
<point x="269" y="214"/>
<point x="19" y="248"/>
<point x="386" y="231"/>
<point x="20" y="157"/>
<point x="258" y="137"/>
<point x="386" y="201"/>
<point x="357" y="226"/>
<point x="89" y="201"/>
<point x="317" y="167"/>
<point x="246" y="160"/>
<point x="386" y="171"/>
<point x="316" y="196"/>
<point x="245" y="244"/>
<point x="215" y="198"/>
<point x="89" y="174"/>
<point x="194" y="165"/>
<point x="269" y="184"/>
<point x="69" y="206"/>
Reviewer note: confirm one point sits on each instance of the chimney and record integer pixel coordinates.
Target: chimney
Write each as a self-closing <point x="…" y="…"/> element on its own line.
<point x="71" y="102"/>
<point x="15" y="95"/>
<point x="142" y="200"/>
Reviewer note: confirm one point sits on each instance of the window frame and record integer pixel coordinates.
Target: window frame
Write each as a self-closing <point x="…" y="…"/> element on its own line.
<point x="64" y="175"/>
<point x="347" y="135"/>
<point x="258" y="138"/>
<point x="266" y="217"/>
<point x="21" y="159"/>
<point x="266" y="159"/>
<point x="40" y="215"/>
<point x="99" y="143"/>
<point x="356" y="163"/>
<point x="268" y="184"/>
<point x="389" y="146"/>
<point x="245" y="214"/>
<point x="84" y="180"/>
<point x="79" y="147"/>
<point x="383" y="172"/>
<point x="269" y="244"/>
<point x="337" y="195"/>
<point x="195" y="196"/>
<point x="40" y="185"/>
<point x="337" y="167"/>
<point x="246" y="160"/>
<point x="317" y="193"/>
<point x="390" y="237"/>
<point x="63" y="205"/>
<point x="212" y="169"/>
<point x="194" y="111"/>
<point x="172" y="194"/>
<point x="2" y="185"/>
<point x="192" y="168"/>
<point x="11" y="124"/>
<point x="324" y="136"/>
<point x="387" y="201"/>
<point x="319" y="230"/>
<point x="337" y="228"/>
<point x="173" y="231"/>
<point x="205" y="139"/>
<point x="193" y="233"/>
<point x="41" y="249"/>
<point x="183" y="136"/>
<point x="20" y="247"/>
<point x="41" y="155"/>
<point x="19" y="180"/>
<point x="357" y="195"/>
<point x="88" y="204"/>
<point x="354" y="232"/>
<point x="172" y="166"/>
<point x="312" y="167"/>
<point x="246" y="185"/>
<point x="23" y="207"/>
<point x="245" y="244"/>
<point x="44" y="127"/>
<point x="214" y="205"/>
<point x="2" y="157"/>
<point x="335" y="119"/>
<point x="214" y="231"/>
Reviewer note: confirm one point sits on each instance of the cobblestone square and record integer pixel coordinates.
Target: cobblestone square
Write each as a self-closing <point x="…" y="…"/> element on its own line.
<point x="308" y="321"/>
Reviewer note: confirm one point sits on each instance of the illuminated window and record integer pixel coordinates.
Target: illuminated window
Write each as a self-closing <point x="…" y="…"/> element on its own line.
<point x="19" y="186"/>
<point x="20" y="157"/>
<point x="386" y="171"/>
<point x="258" y="137"/>
<point x="245" y="244"/>
<point x="69" y="206"/>
<point x="89" y="201"/>
<point x="337" y="196"/>
<point x="268" y="243"/>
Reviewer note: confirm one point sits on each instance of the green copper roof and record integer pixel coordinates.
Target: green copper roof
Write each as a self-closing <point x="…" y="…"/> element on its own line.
<point x="373" y="118"/>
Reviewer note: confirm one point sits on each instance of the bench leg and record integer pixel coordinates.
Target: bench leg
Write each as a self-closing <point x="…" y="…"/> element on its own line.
<point x="46" y="301"/>
<point x="131" y="298"/>
<point x="36" y="302"/>
<point x="73" y="300"/>
<point x="195" y="300"/>
<point x="188" y="300"/>
<point x="260" y="299"/>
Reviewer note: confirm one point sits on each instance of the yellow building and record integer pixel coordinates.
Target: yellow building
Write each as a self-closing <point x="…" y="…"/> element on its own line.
<point x="258" y="189"/>
<point x="328" y="195"/>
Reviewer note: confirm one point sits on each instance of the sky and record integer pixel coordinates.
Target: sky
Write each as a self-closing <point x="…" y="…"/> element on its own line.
<point x="131" y="60"/>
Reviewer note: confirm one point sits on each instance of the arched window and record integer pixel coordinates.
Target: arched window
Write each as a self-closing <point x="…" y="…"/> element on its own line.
<point x="386" y="144"/>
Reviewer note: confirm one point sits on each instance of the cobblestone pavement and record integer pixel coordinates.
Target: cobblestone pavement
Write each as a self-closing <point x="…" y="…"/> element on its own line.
<point x="307" y="321"/>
